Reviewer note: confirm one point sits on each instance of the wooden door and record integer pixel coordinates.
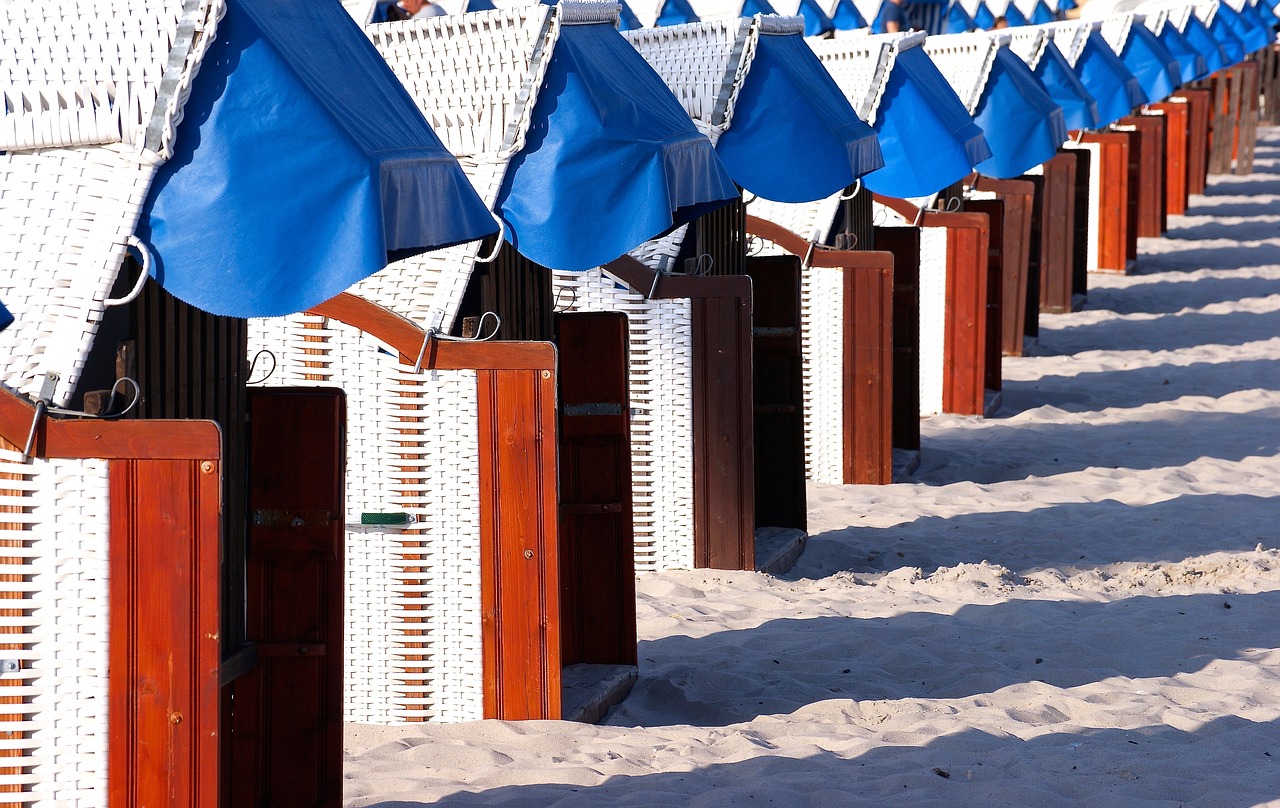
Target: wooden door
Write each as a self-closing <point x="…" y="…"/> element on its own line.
<point x="1056" y="225"/>
<point x="1199" y="115"/>
<point x="868" y="374"/>
<point x="1247" y="126"/>
<point x="1114" y="208"/>
<point x="1019" y="198"/>
<point x="1176" y="154"/>
<point x="1082" y="228"/>
<point x="778" y="392"/>
<point x="904" y="243"/>
<point x="285" y="715"/>
<point x="965" y="351"/>
<point x="597" y="553"/>
<point x="1147" y="153"/>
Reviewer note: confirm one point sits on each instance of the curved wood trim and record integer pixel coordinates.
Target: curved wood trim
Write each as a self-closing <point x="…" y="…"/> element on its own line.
<point x="933" y="218"/>
<point x="1020" y="187"/>
<point x="822" y="256"/>
<point x="670" y="287"/>
<point x="406" y="337"/>
<point x="124" y="439"/>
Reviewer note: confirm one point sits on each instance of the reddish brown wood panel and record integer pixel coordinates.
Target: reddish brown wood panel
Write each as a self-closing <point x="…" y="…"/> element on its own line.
<point x="724" y="465"/>
<point x="778" y="392"/>
<point x="1247" y="117"/>
<point x="1199" y="114"/>
<point x="1176" y="154"/>
<point x="1113" y="218"/>
<point x="965" y="351"/>
<point x="163" y="657"/>
<point x="597" y="548"/>
<point x="1057" y="226"/>
<point x="1147" y="151"/>
<point x="904" y="244"/>
<point x="520" y="587"/>
<point x="284" y="717"/>
<point x="868" y="374"/>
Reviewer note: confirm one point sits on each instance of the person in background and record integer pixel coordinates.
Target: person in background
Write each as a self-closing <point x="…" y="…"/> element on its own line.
<point x="419" y="9"/>
<point x="1000" y="22"/>
<point x="893" y="18"/>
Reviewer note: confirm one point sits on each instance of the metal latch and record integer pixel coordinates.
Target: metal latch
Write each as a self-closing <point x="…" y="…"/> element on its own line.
<point x="266" y="517"/>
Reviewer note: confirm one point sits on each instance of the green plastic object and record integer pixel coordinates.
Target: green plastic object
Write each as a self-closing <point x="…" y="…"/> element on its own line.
<point x="385" y="519"/>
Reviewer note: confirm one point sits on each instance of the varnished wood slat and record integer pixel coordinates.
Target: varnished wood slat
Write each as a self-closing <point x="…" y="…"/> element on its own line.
<point x="1177" y="153"/>
<point x="1014" y="241"/>
<point x="964" y="352"/>
<point x="670" y="287"/>
<point x="1113" y="216"/>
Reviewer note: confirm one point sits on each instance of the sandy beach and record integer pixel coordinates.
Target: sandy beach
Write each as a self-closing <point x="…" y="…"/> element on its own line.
<point x="1075" y="602"/>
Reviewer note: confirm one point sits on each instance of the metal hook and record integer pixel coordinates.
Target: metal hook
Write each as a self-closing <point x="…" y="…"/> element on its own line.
<point x="434" y="333"/>
<point x="572" y="290"/>
<point x="746" y="201"/>
<point x="35" y="426"/>
<point x="497" y="244"/>
<point x="145" y="254"/>
<point x="857" y="187"/>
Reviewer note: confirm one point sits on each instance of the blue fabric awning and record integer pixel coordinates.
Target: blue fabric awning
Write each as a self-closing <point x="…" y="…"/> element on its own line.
<point x="816" y="21"/>
<point x="1042" y="14"/>
<point x="1116" y="90"/>
<point x="292" y="180"/>
<point x="627" y="19"/>
<point x="1066" y="5"/>
<point x="675" y="12"/>
<point x="1191" y="64"/>
<point x="1079" y="110"/>
<point x="1151" y="63"/>
<point x="1024" y="126"/>
<point x="611" y="159"/>
<point x="1232" y="47"/>
<point x="1267" y="14"/>
<point x="794" y="137"/>
<point x="958" y="20"/>
<point x="1206" y="44"/>
<point x="6" y="319"/>
<point x="983" y="17"/>
<point x="1247" y="27"/>
<point x="750" y="8"/>
<point x="847" y="17"/>
<point x="480" y="5"/>
<point x="1014" y="16"/>
<point x="926" y="135"/>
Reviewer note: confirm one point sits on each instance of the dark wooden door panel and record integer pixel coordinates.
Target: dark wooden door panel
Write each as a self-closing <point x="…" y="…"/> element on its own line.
<point x="904" y="243"/>
<point x="597" y="551"/>
<point x="996" y="255"/>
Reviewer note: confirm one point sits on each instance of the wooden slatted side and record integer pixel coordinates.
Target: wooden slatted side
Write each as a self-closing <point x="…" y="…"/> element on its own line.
<point x="1057" y="231"/>
<point x="1083" y="230"/>
<point x="1019" y="200"/>
<point x="965" y="344"/>
<point x="1199" y="115"/>
<point x="721" y="236"/>
<point x="1177" y="154"/>
<point x="517" y="290"/>
<point x="520" y="588"/>
<point x="904" y="244"/>
<point x="1113" y="218"/>
<point x="855" y="228"/>
<point x="994" y="210"/>
<point x="597" y="552"/>
<point x="1247" y="117"/>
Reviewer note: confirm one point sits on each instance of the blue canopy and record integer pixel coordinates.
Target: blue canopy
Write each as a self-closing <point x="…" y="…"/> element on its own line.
<point x="480" y="5"/>
<point x="1232" y="47"/>
<point x="1206" y="44"/>
<point x="1014" y="16"/>
<point x="1042" y="14"/>
<point x="926" y="135"/>
<point x="1079" y="110"/>
<point x="816" y="21"/>
<point x="1191" y="64"/>
<point x="1066" y="5"/>
<point x="1151" y="63"/>
<point x="675" y="12"/>
<point x="292" y="180"/>
<point x="958" y="20"/>
<point x="1024" y="126"/>
<point x="983" y="18"/>
<point x="6" y="319"/>
<point x="1116" y="90"/>
<point x="627" y="19"/>
<point x="1247" y="27"/>
<point x="611" y="159"/>
<point x="846" y="16"/>
<point x="1267" y="14"/>
<point x="794" y="137"/>
<point x="750" y="8"/>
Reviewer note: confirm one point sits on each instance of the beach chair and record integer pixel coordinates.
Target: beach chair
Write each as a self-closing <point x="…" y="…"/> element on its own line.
<point x="110" y="530"/>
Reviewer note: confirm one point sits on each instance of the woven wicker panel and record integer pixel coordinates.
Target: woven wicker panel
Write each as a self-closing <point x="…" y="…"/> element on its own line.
<point x="861" y="66"/>
<point x="703" y="64"/>
<point x="809" y="220"/>
<point x="412" y="594"/>
<point x="822" y="354"/>
<point x="1070" y="37"/>
<point x="660" y="375"/>
<point x="1028" y="43"/>
<point x="965" y="61"/>
<point x="1115" y="29"/>
<point x="476" y="78"/>
<point x="99" y="77"/>
<point x="54" y="531"/>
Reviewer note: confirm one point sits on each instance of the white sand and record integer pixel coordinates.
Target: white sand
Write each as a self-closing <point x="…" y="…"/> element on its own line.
<point x="1076" y="603"/>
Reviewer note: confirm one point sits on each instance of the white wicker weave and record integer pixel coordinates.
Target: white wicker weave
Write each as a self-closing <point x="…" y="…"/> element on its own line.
<point x="660" y="375"/>
<point x="965" y="61"/>
<point x="412" y="594"/>
<point x="1070" y="37"/>
<point x="55" y="567"/>
<point x="476" y="78"/>
<point x="1115" y="29"/>
<point x="91" y="102"/>
<point x="1028" y="43"/>
<point x="822" y="329"/>
<point x="360" y="10"/>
